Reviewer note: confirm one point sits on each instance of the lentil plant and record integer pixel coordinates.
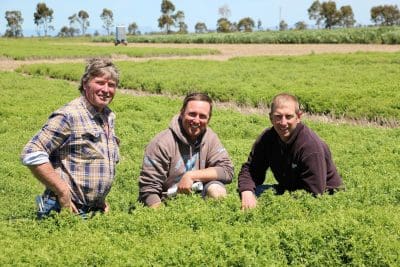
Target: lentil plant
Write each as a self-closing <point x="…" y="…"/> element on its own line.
<point x="357" y="227"/>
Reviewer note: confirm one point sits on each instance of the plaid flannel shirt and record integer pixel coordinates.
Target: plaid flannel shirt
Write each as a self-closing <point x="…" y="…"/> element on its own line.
<point x="80" y="150"/>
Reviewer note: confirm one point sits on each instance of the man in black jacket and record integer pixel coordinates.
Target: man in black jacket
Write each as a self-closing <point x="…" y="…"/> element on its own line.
<point x="298" y="158"/>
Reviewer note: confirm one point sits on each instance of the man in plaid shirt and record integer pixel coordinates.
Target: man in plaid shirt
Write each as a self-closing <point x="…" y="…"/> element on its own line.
<point x="75" y="153"/>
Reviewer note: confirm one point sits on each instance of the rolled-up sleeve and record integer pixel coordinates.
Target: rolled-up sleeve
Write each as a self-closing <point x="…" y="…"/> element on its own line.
<point x="218" y="158"/>
<point x="154" y="172"/>
<point x="48" y="139"/>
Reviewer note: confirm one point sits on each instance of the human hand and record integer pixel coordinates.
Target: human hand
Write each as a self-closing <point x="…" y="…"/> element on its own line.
<point x="249" y="200"/>
<point x="185" y="184"/>
<point x="106" y="207"/>
<point x="64" y="198"/>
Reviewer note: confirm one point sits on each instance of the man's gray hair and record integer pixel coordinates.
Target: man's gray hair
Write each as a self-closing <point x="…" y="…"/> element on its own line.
<point x="97" y="67"/>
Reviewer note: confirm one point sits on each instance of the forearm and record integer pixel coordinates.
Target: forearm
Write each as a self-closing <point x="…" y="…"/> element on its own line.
<point x="203" y="175"/>
<point x="46" y="174"/>
<point x="245" y="180"/>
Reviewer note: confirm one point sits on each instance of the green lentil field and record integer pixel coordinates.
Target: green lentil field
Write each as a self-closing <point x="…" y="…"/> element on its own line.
<point x="356" y="227"/>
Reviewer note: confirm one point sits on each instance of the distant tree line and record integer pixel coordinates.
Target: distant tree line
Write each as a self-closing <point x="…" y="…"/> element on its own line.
<point x="325" y="14"/>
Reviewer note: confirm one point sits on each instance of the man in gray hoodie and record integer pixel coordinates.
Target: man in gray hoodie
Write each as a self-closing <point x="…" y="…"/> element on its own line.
<point x="186" y="153"/>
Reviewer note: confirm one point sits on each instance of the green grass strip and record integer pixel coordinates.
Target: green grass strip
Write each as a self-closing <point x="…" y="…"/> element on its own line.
<point x="358" y="85"/>
<point x="47" y="48"/>
<point x="357" y="227"/>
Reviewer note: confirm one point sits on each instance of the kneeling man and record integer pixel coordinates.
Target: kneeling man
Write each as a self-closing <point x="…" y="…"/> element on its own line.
<point x="298" y="158"/>
<point x="187" y="152"/>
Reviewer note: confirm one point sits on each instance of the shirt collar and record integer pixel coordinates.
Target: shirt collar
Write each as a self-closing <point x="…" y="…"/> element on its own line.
<point x="93" y="111"/>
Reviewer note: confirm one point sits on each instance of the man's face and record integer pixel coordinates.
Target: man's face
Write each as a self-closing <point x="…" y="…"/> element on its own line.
<point x="100" y="91"/>
<point x="195" y="118"/>
<point x="284" y="119"/>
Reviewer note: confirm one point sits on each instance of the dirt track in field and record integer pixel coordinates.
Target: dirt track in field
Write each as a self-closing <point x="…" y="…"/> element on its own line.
<point x="227" y="51"/>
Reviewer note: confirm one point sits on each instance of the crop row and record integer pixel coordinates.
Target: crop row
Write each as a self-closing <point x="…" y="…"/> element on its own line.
<point x="357" y="227"/>
<point x="36" y="48"/>
<point x="370" y="35"/>
<point x="360" y="85"/>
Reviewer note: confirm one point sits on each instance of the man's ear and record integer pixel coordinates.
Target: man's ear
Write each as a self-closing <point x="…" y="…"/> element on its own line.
<point x="299" y="114"/>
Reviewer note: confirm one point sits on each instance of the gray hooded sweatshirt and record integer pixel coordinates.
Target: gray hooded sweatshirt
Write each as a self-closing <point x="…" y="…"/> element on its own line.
<point x="170" y="154"/>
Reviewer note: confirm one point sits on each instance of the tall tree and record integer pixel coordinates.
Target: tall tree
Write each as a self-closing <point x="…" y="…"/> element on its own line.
<point x="283" y="26"/>
<point x="300" y="25"/>
<point x="346" y="17"/>
<point x="166" y="20"/>
<point x="327" y="12"/>
<point x="14" y="21"/>
<point x="385" y="15"/>
<point x="132" y="28"/>
<point x="107" y="17"/>
<point x="246" y="24"/>
<point x="179" y="18"/>
<point x="259" y="25"/>
<point x="71" y="30"/>
<point x="43" y="17"/>
<point x="200" y="27"/>
<point x="330" y="14"/>
<point x="82" y="19"/>
<point x="314" y="13"/>
<point x="224" y="25"/>
<point x="68" y="32"/>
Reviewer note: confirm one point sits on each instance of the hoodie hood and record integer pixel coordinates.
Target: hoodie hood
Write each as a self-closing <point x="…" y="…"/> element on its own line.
<point x="176" y="127"/>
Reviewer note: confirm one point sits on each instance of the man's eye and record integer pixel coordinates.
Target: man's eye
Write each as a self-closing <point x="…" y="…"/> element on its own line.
<point x="203" y="117"/>
<point x="289" y="117"/>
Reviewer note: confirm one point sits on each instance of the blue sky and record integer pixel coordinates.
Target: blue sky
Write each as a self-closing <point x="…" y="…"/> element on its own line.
<point x="146" y="12"/>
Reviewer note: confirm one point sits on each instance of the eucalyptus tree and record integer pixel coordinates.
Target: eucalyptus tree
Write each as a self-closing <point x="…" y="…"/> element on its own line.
<point x="346" y="17"/>
<point x="82" y="19"/>
<point x="179" y="18"/>
<point x="200" y="27"/>
<point x="107" y="17"/>
<point x="246" y="24"/>
<point x="385" y="15"/>
<point x="133" y="28"/>
<point x="166" y="20"/>
<point x="14" y="22"/>
<point x="43" y="18"/>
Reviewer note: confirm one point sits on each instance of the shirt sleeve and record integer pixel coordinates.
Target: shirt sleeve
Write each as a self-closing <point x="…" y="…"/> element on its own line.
<point x="253" y="171"/>
<point x="313" y="173"/>
<point x="153" y="174"/>
<point x="52" y="135"/>
<point x="218" y="158"/>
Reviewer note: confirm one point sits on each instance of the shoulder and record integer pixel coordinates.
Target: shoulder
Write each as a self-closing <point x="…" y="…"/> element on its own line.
<point x="164" y="140"/>
<point x="267" y="135"/>
<point x="310" y="140"/>
<point x="71" y="109"/>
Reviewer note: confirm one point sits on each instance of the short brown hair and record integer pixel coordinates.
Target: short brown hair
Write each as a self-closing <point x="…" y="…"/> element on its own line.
<point x="98" y="67"/>
<point x="197" y="97"/>
<point x="283" y="98"/>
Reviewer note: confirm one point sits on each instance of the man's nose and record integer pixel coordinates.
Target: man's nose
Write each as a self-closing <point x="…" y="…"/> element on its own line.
<point x="105" y="88"/>
<point x="196" y="119"/>
<point x="284" y="120"/>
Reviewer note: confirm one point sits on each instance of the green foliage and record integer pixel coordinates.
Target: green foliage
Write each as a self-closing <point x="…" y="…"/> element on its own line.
<point x="48" y="48"/>
<point x="370" y="35"/>
<point x="348" y="85"/>
<point x="358" y="227"/>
